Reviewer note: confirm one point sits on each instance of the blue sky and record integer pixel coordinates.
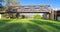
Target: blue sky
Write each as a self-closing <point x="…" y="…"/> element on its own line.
<point x="53" y="3"/>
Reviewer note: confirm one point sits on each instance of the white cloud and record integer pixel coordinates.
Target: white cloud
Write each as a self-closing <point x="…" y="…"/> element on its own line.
<point x="56" y="8"/>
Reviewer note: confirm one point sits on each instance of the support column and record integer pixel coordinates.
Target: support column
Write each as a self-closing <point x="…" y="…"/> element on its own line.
<point x="46" y="15"/>
<point x="52" y="15"/>
<point x="0" y="16"/>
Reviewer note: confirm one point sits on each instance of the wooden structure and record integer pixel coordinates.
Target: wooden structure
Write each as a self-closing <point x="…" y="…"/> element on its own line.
<point x="28" y="9"/>
<point x="31" y="9"/>
<point x="55" y="14"/>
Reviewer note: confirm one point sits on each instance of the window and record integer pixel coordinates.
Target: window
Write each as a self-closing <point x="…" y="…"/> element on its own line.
<point x="26" y="7"/>
<point x="36" y="7"/>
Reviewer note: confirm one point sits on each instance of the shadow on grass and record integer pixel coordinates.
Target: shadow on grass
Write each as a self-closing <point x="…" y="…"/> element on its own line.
<point x="3" y="22"/>
<point x="28" y="27"/>
<point x="46" y="23"/>
<point x="34" y="28"/>
<point x="57" y="20"/>
<point x="19" y="27"/>
<point x="15" y="27"/>
<point x="11" y="27"/>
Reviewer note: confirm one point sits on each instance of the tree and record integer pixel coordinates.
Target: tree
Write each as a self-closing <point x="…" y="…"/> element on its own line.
<point x="15" y="3"/>
<point x="37" y="16"/>
<point x="1" y="6"/>
<point x="11" y="3"/>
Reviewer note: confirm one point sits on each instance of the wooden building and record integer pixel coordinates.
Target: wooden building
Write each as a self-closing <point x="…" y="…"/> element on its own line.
<point x="55" y="14"/>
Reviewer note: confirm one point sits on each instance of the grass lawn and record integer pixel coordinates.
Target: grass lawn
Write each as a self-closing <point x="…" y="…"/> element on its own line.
<point x="29" y="25"/>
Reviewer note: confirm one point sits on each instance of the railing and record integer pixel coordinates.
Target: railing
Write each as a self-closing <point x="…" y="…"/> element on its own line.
<point x="32" y="9"/>
<point x="26" y="9"/>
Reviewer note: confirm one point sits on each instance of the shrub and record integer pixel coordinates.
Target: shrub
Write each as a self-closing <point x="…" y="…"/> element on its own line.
<point x="37" y="16"/>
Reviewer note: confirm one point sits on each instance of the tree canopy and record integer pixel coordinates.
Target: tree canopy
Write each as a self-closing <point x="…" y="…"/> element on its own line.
<point x="11" y="3"/>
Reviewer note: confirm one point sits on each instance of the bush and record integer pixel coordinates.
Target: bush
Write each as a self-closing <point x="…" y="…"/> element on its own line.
<point x="37" y="16"/>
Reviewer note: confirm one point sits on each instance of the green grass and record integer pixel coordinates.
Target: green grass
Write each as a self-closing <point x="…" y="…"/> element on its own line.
<point x="29" y="25"/>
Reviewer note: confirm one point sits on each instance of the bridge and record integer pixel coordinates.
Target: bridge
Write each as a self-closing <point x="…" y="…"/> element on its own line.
<point x="27" y="9"/>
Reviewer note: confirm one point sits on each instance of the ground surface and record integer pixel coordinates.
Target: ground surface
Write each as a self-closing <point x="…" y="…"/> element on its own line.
<point x="29" y="25"/>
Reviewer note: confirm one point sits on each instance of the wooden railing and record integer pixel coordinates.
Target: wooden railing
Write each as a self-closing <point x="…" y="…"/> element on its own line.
<point x="23" y="9"/>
